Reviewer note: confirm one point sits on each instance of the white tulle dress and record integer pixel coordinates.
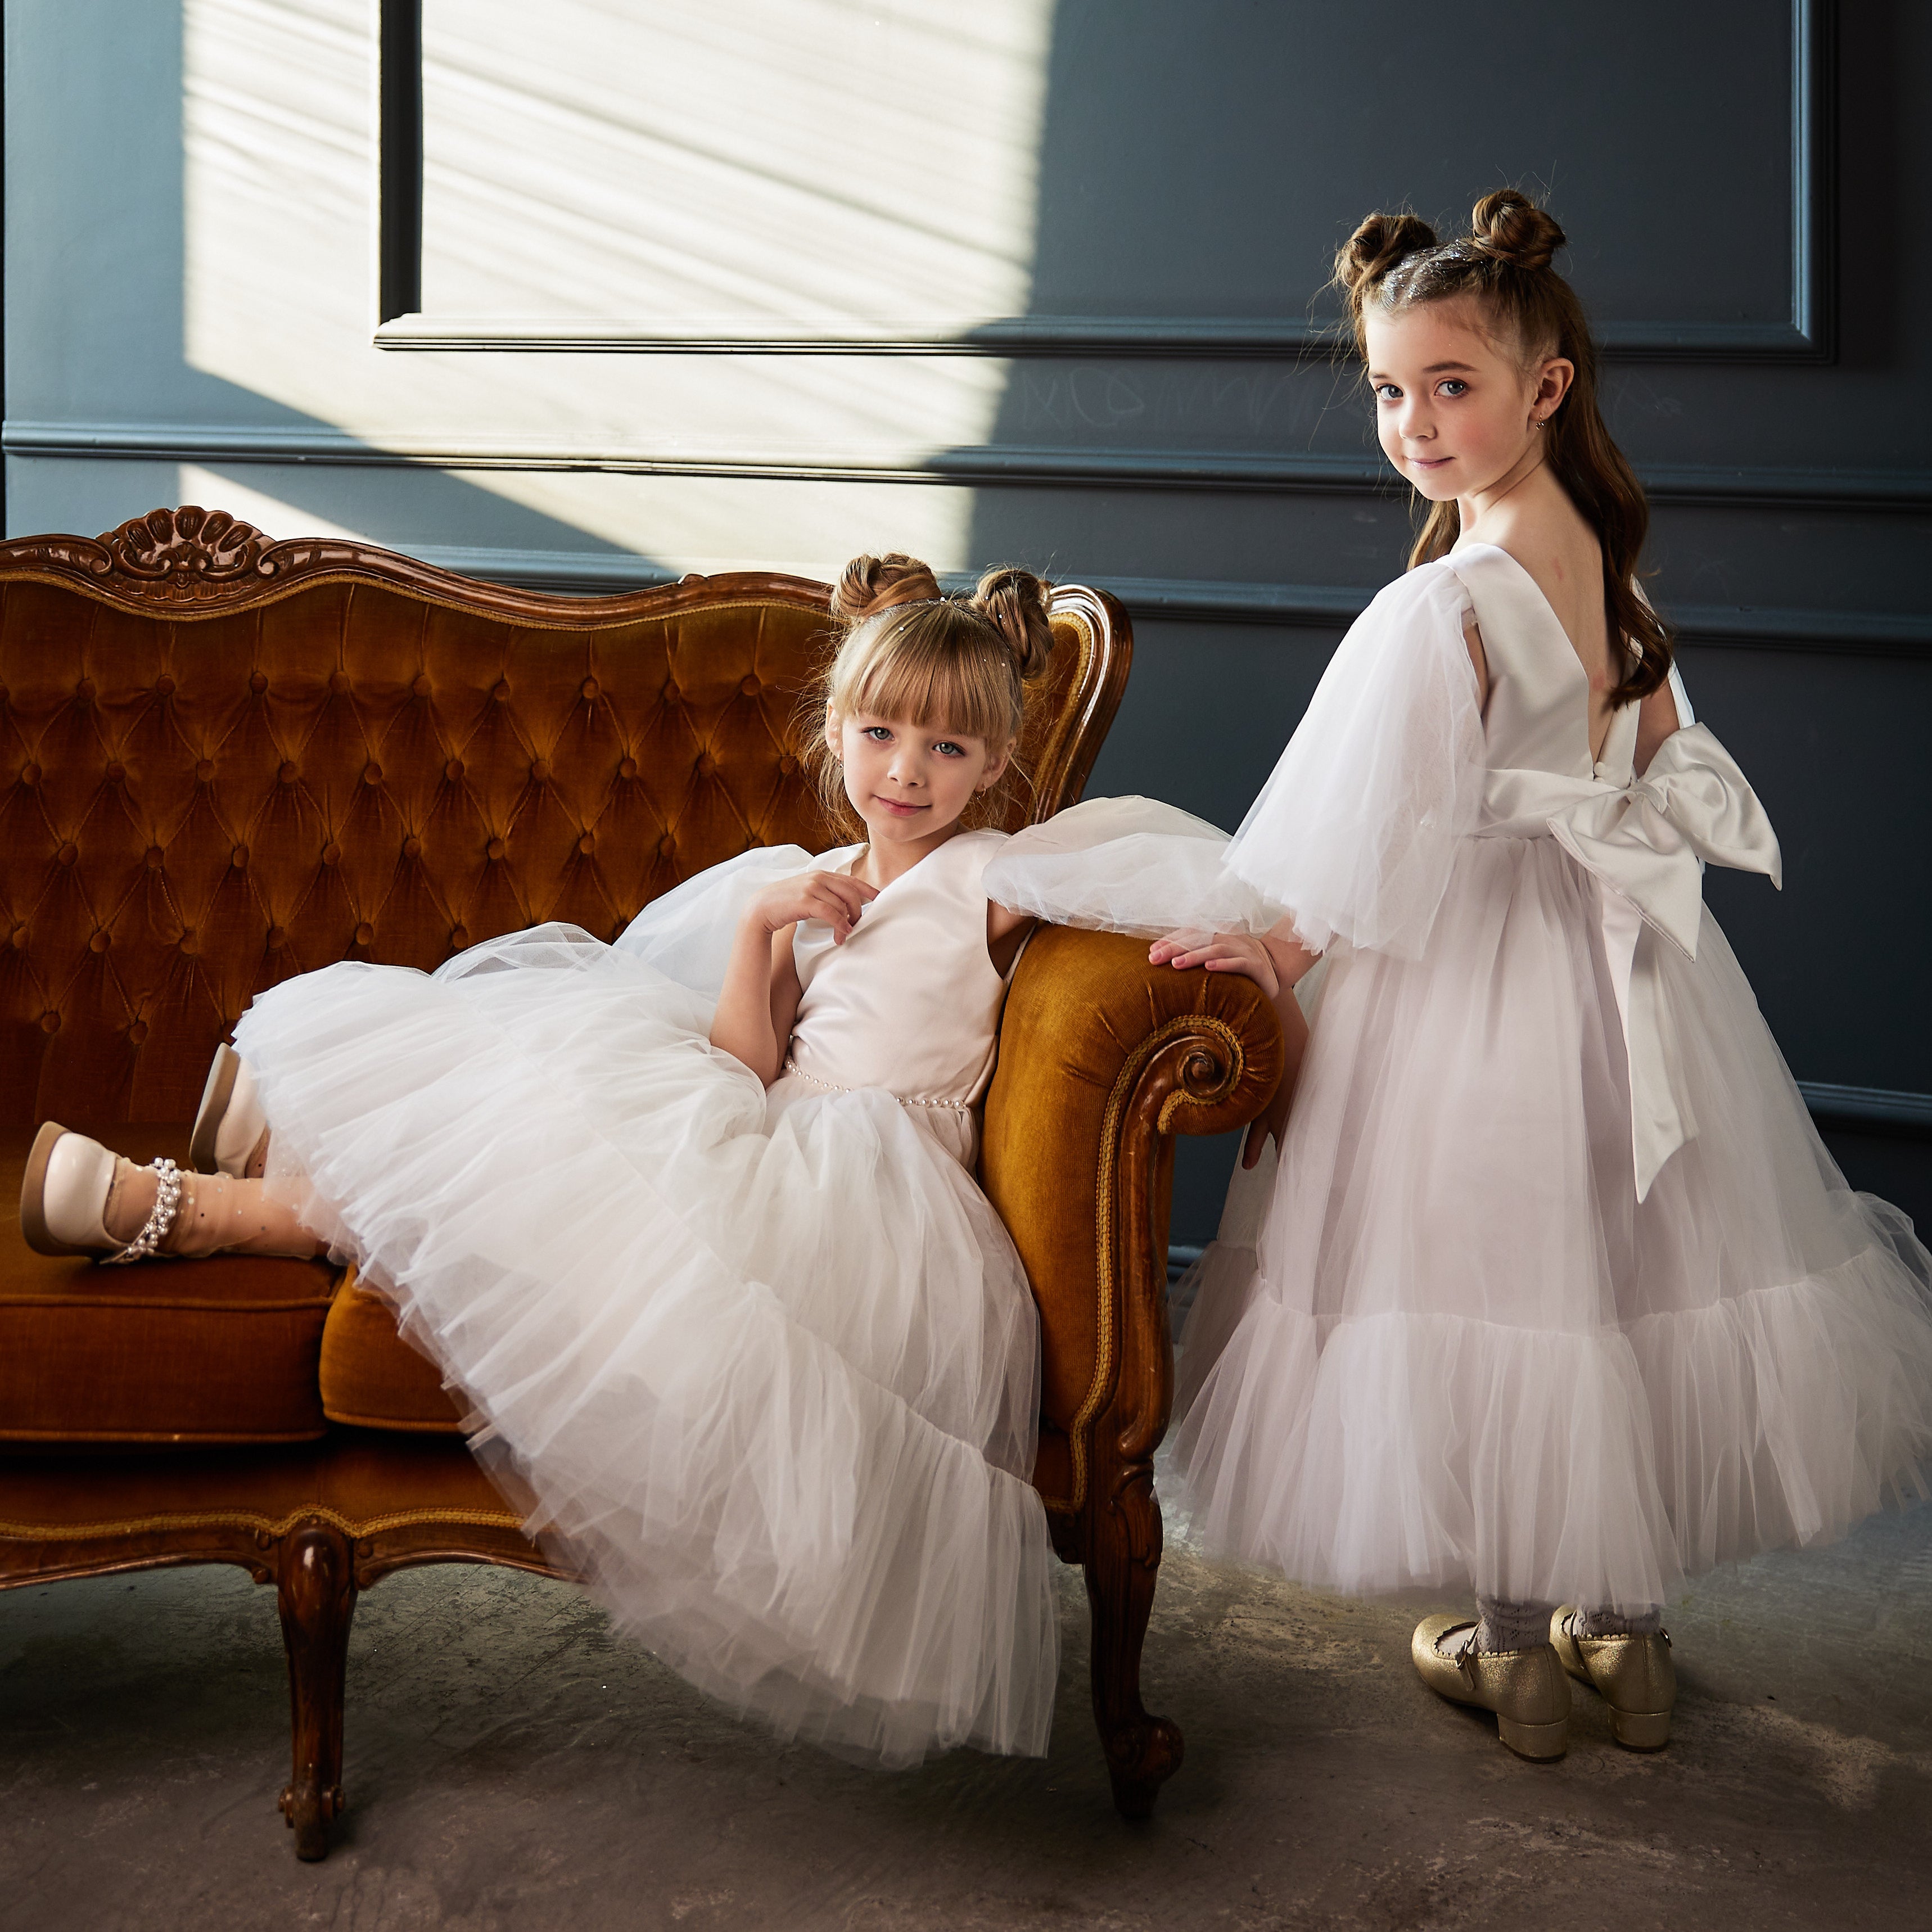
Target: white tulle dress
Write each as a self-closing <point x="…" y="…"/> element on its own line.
<point x="1553" y="1291"/>
<point x="764" y="1363"/>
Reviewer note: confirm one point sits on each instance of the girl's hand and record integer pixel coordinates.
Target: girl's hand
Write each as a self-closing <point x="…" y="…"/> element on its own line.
<point x="1220" y="952"/>
<point x="833" y="898"/>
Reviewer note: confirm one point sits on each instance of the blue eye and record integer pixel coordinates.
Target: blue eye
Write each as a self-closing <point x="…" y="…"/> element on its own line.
<point x="1387" y="392"/>
<point x="879" y="734"/>
<point x="946" y="748"/>
<point x="1455" y="386"/>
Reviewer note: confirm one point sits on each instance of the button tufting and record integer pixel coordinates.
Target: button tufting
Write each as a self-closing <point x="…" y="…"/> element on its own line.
<point x="164" y="686"/>
<point x="627" y="769"/>
<point x="707" y="764"/>
<point x="453" y="770"/>
<point x="238" y="858"/>
<point x="19" y="939"/>
<point x="157" y="858"/>
<point x="338" y="680"/>
<point x="204" y="769"/>
<point x="495" y="848"/>
<point x="365" y="934"/>
<point x="750" y="686"/>
<point x="666" y="845"/>
<point x="421" y="685"/>
<point x="138" y="1032"/>
<point x="587" y="843"/>
<point x="85" y="688"/>
<point x="100" y="942"/>
<point x="50" y="1021"/>
<point x="412" y="845"/>
<point x="372" y="775"/>
<point x="116" y="771"/>
<point x="788" y="764"/>
<point x="68" y="853"/>
<point x="591" y="687"/>
<point x="459" y="937"/>
<point x="540" y="770"/>
<point x="258" y="682"/>
<point x="501" y="693"/>
<point x="30" y="775"/>
<point x="671" y="693"/>
<point x="278" y="937"/>
<point x="190" y="941"/>
<point x="289" y="771"/>
<point x="331" y="853"/>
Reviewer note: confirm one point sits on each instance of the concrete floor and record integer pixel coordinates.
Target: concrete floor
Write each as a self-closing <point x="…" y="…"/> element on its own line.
<point x="510" y="1765"/>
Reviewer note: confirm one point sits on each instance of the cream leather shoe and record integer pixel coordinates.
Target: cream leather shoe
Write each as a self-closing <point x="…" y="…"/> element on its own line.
<point x="1633" y="1674"/>
<point x="229" y="1122"/>
<point x="63" y="1199"/>
<point x="1526" y="1689"/>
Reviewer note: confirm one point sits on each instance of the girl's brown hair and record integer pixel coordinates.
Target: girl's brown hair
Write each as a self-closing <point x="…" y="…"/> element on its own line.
<point x="1393" y="262"/>
<point x="905" y="650"/>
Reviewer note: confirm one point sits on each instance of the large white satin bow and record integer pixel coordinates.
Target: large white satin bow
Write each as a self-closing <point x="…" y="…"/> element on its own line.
<point x="1646" y="843"/>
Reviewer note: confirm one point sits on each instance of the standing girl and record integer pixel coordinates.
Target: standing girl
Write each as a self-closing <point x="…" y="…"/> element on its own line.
<point x="1553" y="1292"/>
<point x="691" y="1221"/>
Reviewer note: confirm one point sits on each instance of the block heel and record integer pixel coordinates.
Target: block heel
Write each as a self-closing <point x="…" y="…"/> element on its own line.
<point x="1641" y="1730"/>
<point x="1540" y="1743"/>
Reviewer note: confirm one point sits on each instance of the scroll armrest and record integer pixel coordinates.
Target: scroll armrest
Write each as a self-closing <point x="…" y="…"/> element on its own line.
<point x="1103" y="1059"/>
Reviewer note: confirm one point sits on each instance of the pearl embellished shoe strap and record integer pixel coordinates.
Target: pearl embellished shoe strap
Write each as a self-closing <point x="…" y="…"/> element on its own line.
<point x="160" y="1217"/>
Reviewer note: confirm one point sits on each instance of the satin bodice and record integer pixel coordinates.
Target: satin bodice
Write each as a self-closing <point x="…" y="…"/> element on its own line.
<point x="910" y="1003"/>
<point x="1538" y="716"/>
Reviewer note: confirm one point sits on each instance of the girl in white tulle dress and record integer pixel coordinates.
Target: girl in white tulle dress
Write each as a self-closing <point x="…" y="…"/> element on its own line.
<point x="691" y="1219"/>
<point x="1552" y="1291"/>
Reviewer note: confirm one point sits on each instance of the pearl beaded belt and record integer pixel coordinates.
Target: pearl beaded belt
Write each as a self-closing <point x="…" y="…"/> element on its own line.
<point x="904" y="1099"/>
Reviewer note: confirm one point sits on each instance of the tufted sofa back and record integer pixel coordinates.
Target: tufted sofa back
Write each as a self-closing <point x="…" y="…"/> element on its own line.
<point x="224" y="761"/>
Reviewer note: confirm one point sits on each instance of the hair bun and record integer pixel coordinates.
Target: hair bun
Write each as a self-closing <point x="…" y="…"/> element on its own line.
<point x="870" y="584"/>
<point x="1018" y="605"/>
<point x="1376" y="246"/>
<point x="1511" y="227"/>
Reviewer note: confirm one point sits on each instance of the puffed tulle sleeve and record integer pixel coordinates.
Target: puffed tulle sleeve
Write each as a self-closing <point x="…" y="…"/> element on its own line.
<point x="1355" y="832"/>
<point x="1127" y="865"/>
<point x="686" y="933"/>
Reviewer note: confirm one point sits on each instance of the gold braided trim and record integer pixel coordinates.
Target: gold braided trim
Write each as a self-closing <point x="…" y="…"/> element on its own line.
<point x="272" y="1526"/>
<point x="1106" y="1258"/>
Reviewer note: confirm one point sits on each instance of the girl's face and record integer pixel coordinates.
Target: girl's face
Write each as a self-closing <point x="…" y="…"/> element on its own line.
<point x="1456" y="411"/>
<point x="909" y="781"/>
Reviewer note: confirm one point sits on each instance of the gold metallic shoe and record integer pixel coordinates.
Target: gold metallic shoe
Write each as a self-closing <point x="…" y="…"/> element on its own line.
<point x="1633" y="1674"/>
<point x="1526" y="1689"/>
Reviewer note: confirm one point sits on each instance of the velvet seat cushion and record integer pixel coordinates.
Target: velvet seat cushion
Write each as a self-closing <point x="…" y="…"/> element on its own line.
<point x="221" y="1351"/>
<point x="373" y="1379"/>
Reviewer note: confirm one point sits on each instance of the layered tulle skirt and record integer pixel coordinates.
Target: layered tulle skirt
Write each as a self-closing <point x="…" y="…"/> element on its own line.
<point x="1440" y="1342"/>
<point x="764" y="1367"/>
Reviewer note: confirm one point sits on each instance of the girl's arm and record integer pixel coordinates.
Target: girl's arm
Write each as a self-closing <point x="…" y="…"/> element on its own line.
<point x="1006" y="933"/>
<point x="1656" y="720"/>
<point x="761" y="993"/>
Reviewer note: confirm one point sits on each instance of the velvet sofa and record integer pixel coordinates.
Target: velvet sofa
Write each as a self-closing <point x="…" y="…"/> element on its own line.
<point x="223" y="760"/>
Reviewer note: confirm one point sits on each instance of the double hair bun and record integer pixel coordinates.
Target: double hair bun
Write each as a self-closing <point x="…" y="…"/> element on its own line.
<point x="1014" y="602"/>
<point x="1505" y="225"/>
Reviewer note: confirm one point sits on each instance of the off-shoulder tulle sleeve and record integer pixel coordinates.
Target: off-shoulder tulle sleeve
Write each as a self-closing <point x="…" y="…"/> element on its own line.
<point x="686" y="933"/>
<point x="1355" y="832"/>
<point x="1127" y="865"/>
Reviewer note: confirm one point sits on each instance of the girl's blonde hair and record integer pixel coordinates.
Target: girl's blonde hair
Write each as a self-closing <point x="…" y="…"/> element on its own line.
<point x="905" y="650"/>
<point x="1395" y="261"/>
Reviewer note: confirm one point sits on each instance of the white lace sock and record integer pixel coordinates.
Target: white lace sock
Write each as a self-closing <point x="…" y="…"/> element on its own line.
<point x="1505" y="1626"/>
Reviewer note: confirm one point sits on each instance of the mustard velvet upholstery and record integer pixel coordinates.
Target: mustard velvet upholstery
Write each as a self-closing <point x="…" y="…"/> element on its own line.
<point x="372" y="1378"/>
<point x="212" y="1352"/>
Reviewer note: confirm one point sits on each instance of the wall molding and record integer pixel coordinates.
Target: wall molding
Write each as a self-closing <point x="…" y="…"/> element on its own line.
<point x="1804" y="334"/>
<point x="1241" y="472"/>
<point x="1870" y="1109"/>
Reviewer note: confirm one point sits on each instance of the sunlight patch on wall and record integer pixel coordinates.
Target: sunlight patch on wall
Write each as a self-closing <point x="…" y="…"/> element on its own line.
<point x="807" y="158"/>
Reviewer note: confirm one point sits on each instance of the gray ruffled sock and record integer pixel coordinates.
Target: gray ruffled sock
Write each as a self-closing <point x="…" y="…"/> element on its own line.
<point x="1507" y="1626"/>
<point x="1616" y="1623"/>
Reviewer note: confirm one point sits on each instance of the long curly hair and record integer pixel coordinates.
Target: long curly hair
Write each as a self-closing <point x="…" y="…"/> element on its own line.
<point x="905" y="649"/>
<point x="1394" y="262"/>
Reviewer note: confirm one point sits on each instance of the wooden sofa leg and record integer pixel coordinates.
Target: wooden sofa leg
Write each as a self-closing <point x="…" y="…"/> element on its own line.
<point x="1122" y="1564"/>
<point x="316" y="1594"/>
